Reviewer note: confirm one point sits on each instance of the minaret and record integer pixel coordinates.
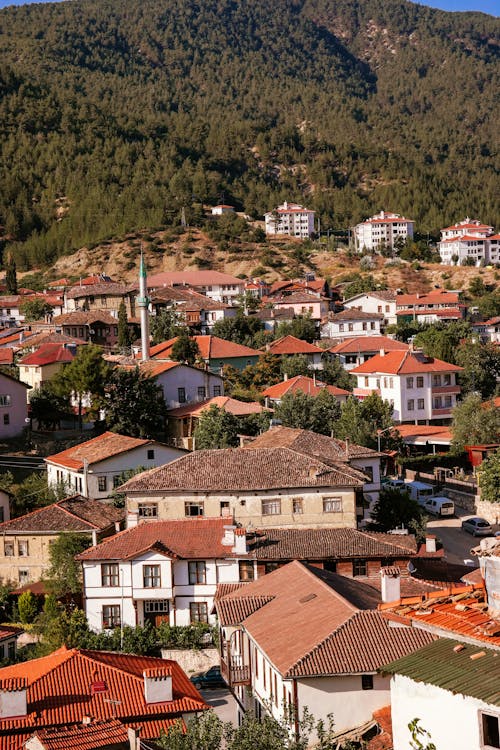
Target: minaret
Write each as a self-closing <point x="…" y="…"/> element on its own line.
<point x="143" y="305"/>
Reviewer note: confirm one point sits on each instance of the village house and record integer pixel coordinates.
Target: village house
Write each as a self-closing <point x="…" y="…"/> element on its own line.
<point x="8" y="642"/>
<point x="433" y="307"/>
<point x="40" y="366"/>
<point x="469" y="241"/>
<point x="109" y="734"/>
<point x="216" y="353"/>
<point x="309" y="284"/>
<point x="351" y="322"/>
<point x="353" y="352"/>
<point x="221" y="209"/>
<point x="197" y="311"/>
<point x="290" y="346"/>
<point x="300" y="383"/>
<point x="322" y="655"/>
<point x="421" y="389"/>
<point x="24" y="551"/>
<point x="221" y="287"/>
<point x="290" y="219"/>
<point x="72" y="686"/>
<point x="11" y="306"/>
<point x="305" y="303"/>
<point x="13" y="406"/>
<point x="95" y="468"/>
<point x="271" y="317"/>
<point x="384" y="230"/>
<point x="381" y="302"/>
<point x="95" y="327"/>
<point x="101" y="296"/>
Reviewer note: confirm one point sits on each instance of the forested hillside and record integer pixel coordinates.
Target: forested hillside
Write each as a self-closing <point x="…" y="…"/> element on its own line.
<point x="116" y="113"/>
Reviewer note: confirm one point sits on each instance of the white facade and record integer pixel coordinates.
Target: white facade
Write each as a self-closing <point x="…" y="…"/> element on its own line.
<point x="454" y="722"/>
<point x="469" y="241"/>
<point x="184" y="385"/>
<point x="290" y="219"/>
<point x="383" y="229"/>
<point x="348" y="328"/>
<point x="98" y="480"/>
<point x="169" y="599"/>
<point x="371" y="303"/>
<point x="222" y="209"/>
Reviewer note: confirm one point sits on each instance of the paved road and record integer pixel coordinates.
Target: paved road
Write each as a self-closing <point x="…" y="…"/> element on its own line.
<point x="223" y="703"/>
<point x="457" y="543"/>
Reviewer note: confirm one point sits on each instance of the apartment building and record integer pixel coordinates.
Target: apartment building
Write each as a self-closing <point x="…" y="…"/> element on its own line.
<point x="290" y="219"/>
<point x="382" y="230"/>
<point x="469" y="241"/>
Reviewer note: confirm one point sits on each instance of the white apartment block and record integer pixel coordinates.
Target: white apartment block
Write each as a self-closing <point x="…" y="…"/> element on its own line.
<point x="421" y="389"/>
<point x="290" y="219"/>
<point x="469" y="240"/>
<point x="383" y="229"/>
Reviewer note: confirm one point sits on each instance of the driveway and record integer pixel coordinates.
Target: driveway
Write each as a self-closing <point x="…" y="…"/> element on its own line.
<point x="223" y="703"/>
<point x="457" y="543"/>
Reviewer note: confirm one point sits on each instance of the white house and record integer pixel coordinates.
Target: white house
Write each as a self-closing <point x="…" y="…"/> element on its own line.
<point x="452" y="687"/>
<point x="222" y="209"/>
<point x="13" y="406"/>
<point x="290" y="219"/>
<point x="11" y="306"/>
<point x="351" y="322"/>
<point x="353" y="352"/>
<point x="95" y="468"/>
<point x="182" y="384"/>
<point x="381" y="302"/>
<point x="221" y="287"/>
<point x="302" y="638"/>
<point x="382" y="230"/>
<point x="165" y="571"/>
<point x="421" y="389"/>
<point x="436" y="306"/>
<point x="469" y="241"/>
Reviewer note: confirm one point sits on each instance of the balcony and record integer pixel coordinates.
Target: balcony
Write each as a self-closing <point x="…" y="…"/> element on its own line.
<point x="440" y="413"/>
<point x="234" y="673"/>
<point x="438" y="389"/>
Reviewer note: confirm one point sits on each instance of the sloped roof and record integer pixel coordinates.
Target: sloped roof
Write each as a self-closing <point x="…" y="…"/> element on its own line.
<point x="386" y="295"/>
<point x="311" y="444"/>
<point x="436" y="297"/>
<point x="230" y="405"/>
<point x="50" y="337"/>
<point x="192" y="278"/>
<point x="95" y="450"/>
<point x="292" y="345"/>
<point x="6" y="356"/>
<point x="211" y="347"/>
<point x="185" y="538"/>
<point x="352" y="313"/>
<point x="360" y="344"/>
<point x="304" y="385"/>
<point x="74" y="513"/>
<point x="114" y="289"/>
<point x="59" y="690"/>
<point x="240" y="469"/>
<point x="81" y="318"/>
<point x="48" y="354"/>
<point x="404" y="363"/>
<point x="96" y="735"/>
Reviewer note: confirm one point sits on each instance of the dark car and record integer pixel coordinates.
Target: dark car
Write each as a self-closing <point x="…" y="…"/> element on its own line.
<point x="212" y="678"/>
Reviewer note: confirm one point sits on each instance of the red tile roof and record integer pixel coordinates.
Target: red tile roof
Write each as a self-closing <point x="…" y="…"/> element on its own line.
<point x="311" y="444"/>
<point x="60" y="691"/>
<point x="230" y="405"/>
<point x="304" y="385"/>
<point x="93" y="736"/>
<point x="186" y="538"/>
<point x="436" y="297"/>
<point x="75" y="513"/>
<point x="49" y="354"/>
<point x="352" y="313"/>
<point x="6" y="356"/>
<point x="292" y="345"/>
<point x="95" y="450"/>
<point x="211" y="347"/>
<point x="404" y="363"/>
<point x="192" y="278"/>
<point x="362" y="344"/>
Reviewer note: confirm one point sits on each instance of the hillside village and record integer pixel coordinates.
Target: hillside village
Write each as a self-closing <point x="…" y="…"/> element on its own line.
<point x="269" y="464"/>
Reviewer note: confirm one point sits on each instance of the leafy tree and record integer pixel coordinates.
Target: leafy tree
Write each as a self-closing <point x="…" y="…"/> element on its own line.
<point x="405" y="330"/>
<point x="216" y="428"/>
<point x="242" y="329"/>
<point x="185" y="349"/>
<point x="27" y="606"/>
<point x="125" y="337"/>
<point x="481" y="363"/>
<point x="360" y="421"/>
<point x="135" y="405"/>
<point x="334" y="374"/>
<point x="489" y="478"/>
<point x="203" y="732"/>
<point x="166" y="325"/>
<point x="302" y="327"/>
<point x="296" y="364"/>
<point x="477" y="287"/>
<point x="475" y="422"/>
<point x="35" y="309"/>
<point x="394" y="509"/>
<point x="489" y="305"/>
<point x="48" y="406"/>
<point x="11" y="275"/>
<point x="317" y="413"/>
<point x="85" y="378"/>
<point x="247" y="302"/>
<point x="64" y="575"/>
<point x="34" y="492"/>
<point x="443" y="340"/>
<point x="419" y="735"/>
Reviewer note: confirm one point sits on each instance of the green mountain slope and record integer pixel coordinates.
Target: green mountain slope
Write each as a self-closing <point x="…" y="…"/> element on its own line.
<point x="115" y="113"/>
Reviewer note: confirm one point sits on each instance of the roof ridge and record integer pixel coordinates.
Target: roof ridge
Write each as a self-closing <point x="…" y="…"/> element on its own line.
<point x="30" y="513"/>
<point x="74" y="515"/>
<point x="370" y="536"/>
<point x="320" y="643"/>
<point x="331" y="591"/>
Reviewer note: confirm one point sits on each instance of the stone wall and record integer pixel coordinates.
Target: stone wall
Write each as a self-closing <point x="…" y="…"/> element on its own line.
<point x="489" y="511"/>
<point x="192" y="660"/>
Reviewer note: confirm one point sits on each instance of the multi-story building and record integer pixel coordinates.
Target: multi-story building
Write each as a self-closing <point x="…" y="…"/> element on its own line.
<point x="437" y="306"/>
<point x="40" y="366"/>
<point x="351" y="322"/>
<point x="469" y="241"/>
<point x="421" y="389"/>
<point x="380" y="302"/>
<point x="290" y="219"/>
<point x="221" y="287"/>
<point x="382" y="230"/>
<point x="353" y="352"/>
<point x="13" y="406"/>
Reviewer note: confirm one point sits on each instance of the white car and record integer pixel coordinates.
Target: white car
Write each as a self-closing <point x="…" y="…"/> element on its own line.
<point x="477" y="526"/>
<point x="439" y="506"/>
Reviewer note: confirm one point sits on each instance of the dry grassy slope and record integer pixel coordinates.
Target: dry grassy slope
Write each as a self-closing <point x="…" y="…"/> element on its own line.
<point x="164" y="253"/>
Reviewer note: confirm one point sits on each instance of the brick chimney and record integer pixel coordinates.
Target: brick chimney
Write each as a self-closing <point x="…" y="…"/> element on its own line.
<point x="391" y="583"/>
<point x="158" y="685"/>
<point x="13" y="697"/>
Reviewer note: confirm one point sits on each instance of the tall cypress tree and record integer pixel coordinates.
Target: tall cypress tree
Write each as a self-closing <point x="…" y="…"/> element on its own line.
<point x="124" y="334"/>
<point x="11" y="275"/>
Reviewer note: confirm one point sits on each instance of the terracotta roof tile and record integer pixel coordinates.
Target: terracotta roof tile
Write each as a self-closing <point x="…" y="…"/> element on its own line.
<point x="437" y="297"/>
<point x="292" y="345"/>
<point x="352" y="313"/>
<point x="72" y="514"/>
<point x="97" y="449"/>
<point x="311" y="444"/>
<point x="230" y="405"/>
<point x="81" y="318"/>
<point x="211" y="347"/>
<point x="102" y="288"/>
<point x="91" y="736"/>
<point x="6" y="356"/>
<point x="360" y="344"/>
<point x="48" y="354"/>
<point x="304" y="385"/>
<point x="404" y="363"/>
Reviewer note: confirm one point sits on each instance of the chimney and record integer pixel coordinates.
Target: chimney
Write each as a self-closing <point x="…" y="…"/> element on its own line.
<point x="430" y="543"/>
<point x="346" y="447"/>
<point x="240" y="542"/>
<point x="117" y="527"/>
<point x="382" y="352"/>
<point x="13" y="701"/>
<point x="391" y="583"/>
<point x="86" y="720"/>
<point x="132" y="519"/>
<point x="228" y="540"/>
<point x="158" y="685"/>
<point x="492" y="581"/>
<point x="285" y="376"/>
<point x="134" y="738"/>
<point x="94" y="538"/>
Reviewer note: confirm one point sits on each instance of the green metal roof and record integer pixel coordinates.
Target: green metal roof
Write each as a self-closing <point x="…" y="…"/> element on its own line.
<point x="457" y="672"/>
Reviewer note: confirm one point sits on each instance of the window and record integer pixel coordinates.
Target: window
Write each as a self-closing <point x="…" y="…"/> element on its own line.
<point x="359" y="567"/>
<point x="447" y="379"/>
<point x="270" y="566"/>
<point x="341" y="326"/>
<point x="6" y="418"/>
<point x="24" y="576"/>
<point x="367" y="681"/>
<point x="102" y="484"/>
<point x="116" y="480"/>
<point x="490" y="730"/>
<point x="22" y="548"/>
<point x="151" y="454"/>
<point x="271" y="507"/>
<point x="217" y="390"/>
<point x="447" y="401"/>
<point x="332" y="505"/>
<point x="151" y="576"/>
<point x="2" y="519"/>
<point x="197" y="572"/>
<point x="350" y="326"/>
<point x="181" y="395"/>
<point x="372" y="326"/>
<point x="198" y="611"/>
<point x="330" y="565"/>
<point x="420" y="404"/>
<point x="147" y="510"/>
<point x="156" y="606"/>
<point x="193" y="508"/>
<point x="111" y="616"/>
<point x="368" y="470"/>
<point x="110" y="574"/>
<point x="12" y="649"/>
<point x="420" y="381"/>
<point x="2" y="652"/>
<point x="410" y="405"/>
<point x="366" y="382"/>
<point x="246" y="570"/>
<point x="379" y="308"/>
<point x="8" y="549"/>
<point x="409" y="382"/>
<point x="202" y="393"/>
<point x="436" y="380"/>
<point x="297" y="505"/>
<point x="365" y="326"/>
<point x="437" y="403"/>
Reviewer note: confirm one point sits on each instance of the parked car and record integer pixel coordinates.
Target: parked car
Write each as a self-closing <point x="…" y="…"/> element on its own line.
<point x="212" y="678"/>
<point x="395" y="484"/>
<point x="477" y="526"/>
<point x="440" y="506"/>
<point x="420" y="491"/>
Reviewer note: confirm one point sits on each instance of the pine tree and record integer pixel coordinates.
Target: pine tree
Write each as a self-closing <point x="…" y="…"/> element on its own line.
<point x="11" y="275"/>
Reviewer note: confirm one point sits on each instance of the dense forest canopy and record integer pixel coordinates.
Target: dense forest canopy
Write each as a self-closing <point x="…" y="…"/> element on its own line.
<point x="116" y="113"/>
